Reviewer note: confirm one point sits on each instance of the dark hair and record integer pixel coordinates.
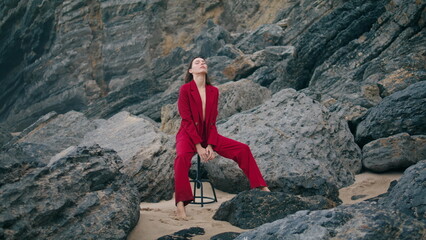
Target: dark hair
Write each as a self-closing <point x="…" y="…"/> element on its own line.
<point x="189" y="77"/>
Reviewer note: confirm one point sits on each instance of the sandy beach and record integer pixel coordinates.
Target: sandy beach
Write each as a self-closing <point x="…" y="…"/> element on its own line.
<point x="156" y="219"/>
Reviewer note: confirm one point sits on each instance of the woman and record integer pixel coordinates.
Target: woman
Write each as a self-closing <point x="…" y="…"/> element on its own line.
<point x="198" y="104"/>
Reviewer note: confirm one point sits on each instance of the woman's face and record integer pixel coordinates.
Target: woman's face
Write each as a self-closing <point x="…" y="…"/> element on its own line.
<point x="198" y="66"/>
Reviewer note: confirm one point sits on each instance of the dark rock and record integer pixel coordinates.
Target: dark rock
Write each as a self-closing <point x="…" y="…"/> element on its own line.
<point x="270" y="67"/>
<point x="185" y="234"/>
<point x="48" y="136"/>
<point x="80" y="196"/>
<point x="266" y="35"/>
<point x="395" y="152"/>
<point x="409" y="194"/>
<point x="210" y="40"/>
<point x="379" y="52"/>
<point x="147" y="153"/>
<point x="356" y="197"/>
<point x="299" y="146"/>
<point x="358" y="221"/>
<point x="403" y="111"/>
<point x="5" y="136"/>
<point x="251" y="209"/>
<point x="327" y="35"/>
<point x="225" y="236"/>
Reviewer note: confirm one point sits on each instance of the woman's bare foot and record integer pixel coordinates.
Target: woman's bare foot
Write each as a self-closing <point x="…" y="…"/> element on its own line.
<point x="265" y="189"/>
<point x="181" y="212"/>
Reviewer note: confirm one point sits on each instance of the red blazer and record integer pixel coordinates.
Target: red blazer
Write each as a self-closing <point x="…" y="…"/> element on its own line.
<point x="191" y="111"/>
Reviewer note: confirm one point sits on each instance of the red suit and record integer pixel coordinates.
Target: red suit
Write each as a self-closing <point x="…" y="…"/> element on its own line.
<point x="193" y="131"/>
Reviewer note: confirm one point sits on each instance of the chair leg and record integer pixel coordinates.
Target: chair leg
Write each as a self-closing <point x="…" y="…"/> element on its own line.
<point x="198" y="183"/>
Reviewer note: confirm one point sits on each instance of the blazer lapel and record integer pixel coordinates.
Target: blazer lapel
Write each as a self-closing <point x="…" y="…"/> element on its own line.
<point x="209" y="102"/>
<point x="197" y="99"/>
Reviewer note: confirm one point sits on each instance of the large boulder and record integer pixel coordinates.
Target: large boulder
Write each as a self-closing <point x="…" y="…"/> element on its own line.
<point x="409" y="194"/>
<point x="403" y="111"/>
<point x="299" y="146"/>
<point x="250" y="209"/>
<point x="80" y="196"/>
<point x="395" y="152"/>
<point x="48" y="136"/>
<point x="358" y="221"/>
<point x="147" y="153"/>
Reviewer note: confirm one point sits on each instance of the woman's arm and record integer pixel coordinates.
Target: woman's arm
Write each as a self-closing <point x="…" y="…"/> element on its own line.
<point x="186" y="115"/>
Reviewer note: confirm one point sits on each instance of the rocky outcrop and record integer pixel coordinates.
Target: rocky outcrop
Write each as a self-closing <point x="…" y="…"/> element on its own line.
<point x="365" y="50"/>
<point x="299" y="146"/>
<point x="398" y="214"/>
<point x="251" y="209"/>
<point x="395" y="152"/>
<point x="5" y="136"/>
<point x="403" y="111"/>
<point x="408" y="195"/>
<point x="147" y="153"/>
<point x="101" y="57"/>
<point x="80" y="196"/>
<point x="358" y="221"/>
<point x="234" y="97"/>
<point x="48" y="136"/>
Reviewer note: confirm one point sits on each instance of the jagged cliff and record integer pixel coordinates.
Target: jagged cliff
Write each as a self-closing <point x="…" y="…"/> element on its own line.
<point x="101" y="57"/>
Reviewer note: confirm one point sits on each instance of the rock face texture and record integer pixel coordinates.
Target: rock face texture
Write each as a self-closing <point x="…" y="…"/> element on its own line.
<point x="299" y="146"/>
<point x="251" y="209"/>
<point x="403" y="111"/>
<point x="361" y="52"/>
<point x="80" y="196"/>
<point x="395" y="152"/>
<point x="48" y="136"/>
<point x="107" y="54"/>
<point x="398" y="214"/>
<point x="409" y="195"/>
<point x="359" y="221"/>
<point x="147" y="153"/>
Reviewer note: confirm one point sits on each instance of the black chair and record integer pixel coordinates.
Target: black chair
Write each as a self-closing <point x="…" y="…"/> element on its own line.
<point x="198" y="184"/>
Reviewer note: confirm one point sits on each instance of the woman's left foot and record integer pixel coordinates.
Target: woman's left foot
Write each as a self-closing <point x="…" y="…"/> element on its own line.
<point x="265" y="189"/>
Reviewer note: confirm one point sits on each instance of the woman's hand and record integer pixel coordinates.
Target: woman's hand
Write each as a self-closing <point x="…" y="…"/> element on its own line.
<point x="206" y="154"/>
<point x="210" y="153"/>
<point x="202" y="152"/>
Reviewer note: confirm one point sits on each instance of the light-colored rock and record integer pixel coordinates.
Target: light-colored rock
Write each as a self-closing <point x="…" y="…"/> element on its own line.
<point x="147" y="153"/>
<point x="299" y="145"/>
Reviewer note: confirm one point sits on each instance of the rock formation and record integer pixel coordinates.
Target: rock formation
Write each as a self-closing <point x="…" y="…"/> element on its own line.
<point x="400" y="214"/>
<point x="250" y="209"/>
<point x="300" y="147"/>
<point x="82" y="195"/>
<point x="395" y="152"/>
<point x="147" y="153"/>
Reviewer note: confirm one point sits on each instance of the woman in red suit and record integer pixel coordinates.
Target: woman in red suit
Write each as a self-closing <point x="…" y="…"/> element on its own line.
<point x="198" y="104"/>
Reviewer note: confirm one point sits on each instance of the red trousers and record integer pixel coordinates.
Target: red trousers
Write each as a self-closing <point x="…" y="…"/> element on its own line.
<point x="228" y="148"/>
